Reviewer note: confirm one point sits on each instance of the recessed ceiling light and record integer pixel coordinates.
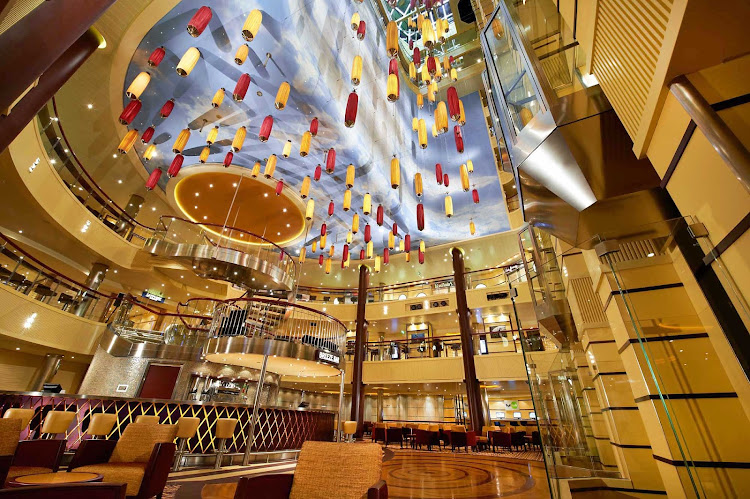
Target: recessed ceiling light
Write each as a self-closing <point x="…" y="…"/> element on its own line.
<point x="114" y="155"/>
<point x="265" y="194"/>
<point x="119" y="181"/>
<point x="90" y="106"/>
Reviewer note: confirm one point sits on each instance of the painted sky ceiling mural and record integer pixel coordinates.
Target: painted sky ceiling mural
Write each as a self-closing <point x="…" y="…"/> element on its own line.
<point x="312" y="46"/>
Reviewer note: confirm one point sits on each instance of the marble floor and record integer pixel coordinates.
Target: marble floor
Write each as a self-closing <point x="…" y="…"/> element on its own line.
<point x="413" y="474"/>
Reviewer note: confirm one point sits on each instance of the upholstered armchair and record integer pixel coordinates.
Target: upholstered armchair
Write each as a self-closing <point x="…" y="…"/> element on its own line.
<point x="141" y="458"/>
<point x="325" y="470"/>
<point x="10" y="432"/>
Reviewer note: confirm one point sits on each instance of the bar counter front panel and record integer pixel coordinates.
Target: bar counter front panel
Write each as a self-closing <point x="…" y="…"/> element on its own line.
<point x="277" y="429"/>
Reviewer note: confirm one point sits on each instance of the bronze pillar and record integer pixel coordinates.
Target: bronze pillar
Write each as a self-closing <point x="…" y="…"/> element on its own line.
<point x="360" y="342"/>
<point x="50" y="82"/>
<point x="33" y="45"/>
<point x="473" y="394"/>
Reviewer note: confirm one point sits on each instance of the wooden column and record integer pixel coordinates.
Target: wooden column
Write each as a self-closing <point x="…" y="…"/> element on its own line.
<point x="473" y="393"/>
<point x="358" y="398"/>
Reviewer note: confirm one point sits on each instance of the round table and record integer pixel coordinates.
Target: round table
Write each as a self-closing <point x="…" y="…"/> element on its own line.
<point x="56" y="478"/>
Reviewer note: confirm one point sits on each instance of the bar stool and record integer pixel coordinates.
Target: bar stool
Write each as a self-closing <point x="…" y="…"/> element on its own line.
<point x="186" y="429"/>
<point x="101" y="425"/>
<point x="56" y="422"/>
<point x="350" y="428"/>
<point x="147" y="419"/>
<point x="224" y="430"/>
<point x="24" y="415"/>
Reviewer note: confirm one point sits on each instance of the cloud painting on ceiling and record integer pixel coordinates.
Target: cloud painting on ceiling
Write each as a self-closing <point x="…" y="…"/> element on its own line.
<point x="312" y="46"/>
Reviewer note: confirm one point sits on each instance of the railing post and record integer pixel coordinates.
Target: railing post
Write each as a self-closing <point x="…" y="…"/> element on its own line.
<point x="341" y="406"/>
<point x="254" y="418"/>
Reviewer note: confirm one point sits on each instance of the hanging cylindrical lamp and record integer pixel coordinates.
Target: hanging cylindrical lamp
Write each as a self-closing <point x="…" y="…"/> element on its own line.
<point x="379" y="215"/>
<point x="407" y="243"/>
<point x="420" y="216"/>
<point x="422" y="246"/>
<point x="350" y="114"/>
<point x="328" y="265"/>
<point x="241" y="55"/>
<point x="199" y="21"/>
<point x="153" y="179"/>
<point x="453" y="106"/>
<point x="362" y="254"/>
<point x="421" y="253"/>
<point x="462" y="114"/>
<point x="356" y="70"/>
<point x="331" y="208"/>
<point x="304" y="145"/>
<point x="361" y="29"/>
<point x="459" y="136"/>
<point x="320" y="260"/>
<point x="422" y="133"/>
<point x="218" y="98"/>
<point x="431" y="94"/>
<point x="386" y="256"/>
<point x="472" y="228"/>
<point x="331" y="250"/>
<point x="441" y="117"/>
<point x="431" y="63"/>
<point x="345" y="253"/>
<point x="181" y="141"/>
<point x="448" y="206"/>
<point x="138" y="85"/>
<point x="314" y="127"/>
<point x="470" y="166"/>
<point x="323" y="243"/>
<point x="314" y="246"/>
<point x="188" y="61"/>
<point x="229" y="158"/>
<point x="418" y="188"/>
<point x="454" y="74"/>
<point x="270" y="166"/>
<point x="252" y="25"/>
<point x="167" y="108"/>
<point x="279" y="187"/>
<point x="174" y="167"/>
<point x="310" y="209"/>
<point x="428" y="34"/>
<point x="130" y="112"/>
<point x="370" y="247"/>
<point x="323" y="229"/>
<point x="239" y="139"/>
<point x="355" y="223"/>
<point x="265" y="128"/>
<point x="349" y="237"/>
<point x="240" y="89"/>
<point x="377" y="264"/>
<point x="391" y="39"/>
<point x="464" y="178"/>
<point x="439" y="173"/>
<point x="305" y="189"/>
<point x="394" y="229"/>
<point x="330" y="160"/>
<point x="395" y="173"/>
<point x="316" y="174"/>
<point x="415" y="124"/>
<point x="368" y="233"/>
<point x="475" y="195"/>
<point x="438" y="70"/>
<point x="434" y="130"/>
<point x="350" y="176"/>
<point x="148" y="135"/>
<point x="420" y="101"/>
<point x="213" y="134"/>
<point x="149" y="152"/>
<point x="391" y="240"/>
<point x="401" y="245"/>
<point x="367" y="204"/>
<point x="417" y="57"/>
<point x="425" y="75"/>
<point x="282" y="96"/>
<point x="392" y="88"/>
<point x="347" y="200"/>
<point x="156" y="57"/>
<point x="256" y="169"/>
<point x="205" y="153"/>
<point x="287" y="150"/>
<point x="355" y="21"/>
<point x="446" y="63"/>
<point x="446" y="180"/>
<point x="302" y="254"/>
<point x="412" y="72"/>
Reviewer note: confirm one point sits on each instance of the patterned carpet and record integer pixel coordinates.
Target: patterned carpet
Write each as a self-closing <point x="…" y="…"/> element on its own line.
<point x="188" y="483"/>
<point x="527" y="455"/>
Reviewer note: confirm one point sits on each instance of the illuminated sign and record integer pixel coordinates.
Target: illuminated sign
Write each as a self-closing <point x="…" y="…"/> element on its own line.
<point x="152" y="297"/>
<point x="328" y="358"/>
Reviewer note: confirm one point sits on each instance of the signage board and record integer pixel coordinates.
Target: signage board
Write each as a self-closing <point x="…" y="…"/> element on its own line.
<point x="152" y="296"/>
<point x="328" y="357"/>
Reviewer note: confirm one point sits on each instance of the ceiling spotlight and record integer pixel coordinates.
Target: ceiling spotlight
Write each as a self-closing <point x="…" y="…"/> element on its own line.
<point x="90" y="106"/>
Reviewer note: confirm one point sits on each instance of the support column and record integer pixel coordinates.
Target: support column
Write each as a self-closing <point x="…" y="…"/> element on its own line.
<point x="473" y="394"/>
<point x="46" y="372"/>
<point x="93" y="281"/>
<point x="358" y="398"/>
<point x="124" y="224"/>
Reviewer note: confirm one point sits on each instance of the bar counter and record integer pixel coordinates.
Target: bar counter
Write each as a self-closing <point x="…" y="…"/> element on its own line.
<point x="277" y="428"/>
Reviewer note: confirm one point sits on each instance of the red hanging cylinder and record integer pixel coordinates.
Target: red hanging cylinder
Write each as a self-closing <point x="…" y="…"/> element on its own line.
<point x="281" y="255"/>
<point x="458" y="134"/>
<point x="323" y="229"/>
<point x="386" y="256"/>
<point x="379" y="216"/>
<point x="174" y="168"/>
<point x="421" y="257"/>
<point x="318" y="171"/>
<point x="454" y="107"/>
<point x="475" y="196"/>
<point x="368" y="233"/>
<point x="361" y="254"/>
<point x="148" y="135"/>
<point x="156" y="56"/>
<point x="446" y="180"/>
<point x="167" y="108"/>
<point x="439" y="173"/>
<point x="411" y="43"/>
<point x="199" y="21"/>
<point x="330" y="208"/>
<point x="320" y="260"/>
<point x="314" y="127"/>
<point x="407" y="243"/>
<point x="361" y="30"/>
<point x="279" y="187"/>
<point x="431" y="66"/>
<point x="395" y="229"/>
<point x="240" y="89"/>
<point x="265" y="128"/>
<point x="228" y="159"/>
<point x="420" y="216"/>
<point x="345" y="253"/>
<point x="451" y="59"/>
<point x="393" y="67"/>
<point x="350" y="116"/>
<point x="330" y="160"/>
<point x="417" y="56"/>
<point x="130" y="112"/>
<point x="153" y="179"/>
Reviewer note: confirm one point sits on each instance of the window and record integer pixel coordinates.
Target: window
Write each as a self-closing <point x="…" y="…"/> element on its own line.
<point x="480" y="286"/>
<point x="402" y="297"/>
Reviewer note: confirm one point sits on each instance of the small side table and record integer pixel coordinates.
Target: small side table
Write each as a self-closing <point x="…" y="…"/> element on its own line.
<point x="56" y="478"/>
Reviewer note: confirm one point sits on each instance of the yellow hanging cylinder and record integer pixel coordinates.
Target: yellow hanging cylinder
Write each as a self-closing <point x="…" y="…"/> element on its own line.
<point x="310" y="209"/>
<point x="448" y="206"/>
<point x="356" y="70"/>
<point x="369" y="249"/>
<point x="395" y="173"/>
<point x="377" y="264"/>
<point x="347" y="200"/>
<point x="305" y="189"/>
<point x="464" y="178"/>
<point x="302" y="253"/>
<point x="328" y="265"/>
<point x="418" y="190"/>
<point x="270" y="166"/>
<point x="472" y="228"/>
<point x="239" y="139"/>
<point x="355" y="223"/>
<point x="212" y="135"/>
<point x="422" y="133"/>
<point x="304" y="145"/>
<point x="420" y="101"/>
<point x="241" y="56"/>
<point x="218" y="98"/>
<point x="282" y="96"/>
<point x="256" y="170"/>
<point x="350" y="176"/>
<point x="391" y="240"/>
<point x="367" y="204"/>
<point x="391" y="39"/>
